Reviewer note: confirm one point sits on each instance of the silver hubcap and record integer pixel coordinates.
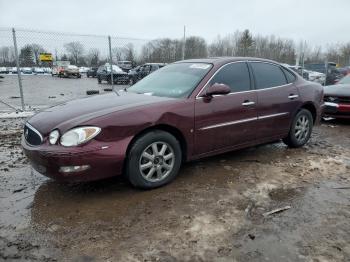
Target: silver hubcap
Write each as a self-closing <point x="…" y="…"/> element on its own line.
<point x="302" y="128"/>
<point x="157" y="161"/>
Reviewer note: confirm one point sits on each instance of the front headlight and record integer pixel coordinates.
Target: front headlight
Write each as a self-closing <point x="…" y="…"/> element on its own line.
<point x="79" y="135"/>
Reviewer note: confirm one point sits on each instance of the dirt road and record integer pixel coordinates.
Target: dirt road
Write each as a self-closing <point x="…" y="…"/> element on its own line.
<point x="213" y="211"/>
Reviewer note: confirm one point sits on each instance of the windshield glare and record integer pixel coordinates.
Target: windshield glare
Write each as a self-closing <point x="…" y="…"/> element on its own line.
<point x="175" y="80"/>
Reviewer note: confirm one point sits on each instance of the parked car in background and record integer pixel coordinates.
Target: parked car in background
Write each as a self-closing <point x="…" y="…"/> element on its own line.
<point x="65" y="69"/>
<point x="83" y="69"/>
<point x="144" y="70"/>
<point x="330" y="71"/>
<point x="38" y="71"/>
<point x="337" y="99"/>
<point x="92" y="72"/>
<point x="133" y="74"/>
<point x="299" y="70"/>
<point x="344" y="70"/>
<point x="26" y="70"/>
<point x="125" y="65"/>
<point x="119" y="76"/>
<point x="13" y="70"/>
<point x="70" y="71"/>
<point x="184" y="111"/>
<point x="4" y="70"/>
<point x="316" y="77"/>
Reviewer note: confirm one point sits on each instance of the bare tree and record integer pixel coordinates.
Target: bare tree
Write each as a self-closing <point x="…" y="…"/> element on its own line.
<point x="93" y="57"/>
<point x="37" y="49"/>
<point x="4" y="55"/>
<point x="196" y="47"/>
<point x="75" y="49"/>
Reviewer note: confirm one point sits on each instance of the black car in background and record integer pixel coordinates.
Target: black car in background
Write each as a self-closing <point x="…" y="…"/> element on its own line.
<point x="332" y="73"/>
<point x="119" y="76"/>
<point x="92" y="72"/>
<point x="140" y="72"/>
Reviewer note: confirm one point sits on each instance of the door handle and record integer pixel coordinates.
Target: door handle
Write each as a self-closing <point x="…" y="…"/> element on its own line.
<point x="292" y="96"/>
<point x="248" y="103"/>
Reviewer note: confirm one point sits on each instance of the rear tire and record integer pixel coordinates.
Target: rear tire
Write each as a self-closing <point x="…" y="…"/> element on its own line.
<point x="153" y="160"/>
<point x="300" y="130"/>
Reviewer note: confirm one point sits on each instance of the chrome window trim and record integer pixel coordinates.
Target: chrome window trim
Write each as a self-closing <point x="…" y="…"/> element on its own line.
<point x="240" y="92"/>
<point x="35" y="131"/>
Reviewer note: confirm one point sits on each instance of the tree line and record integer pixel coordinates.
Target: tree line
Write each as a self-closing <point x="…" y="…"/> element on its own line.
<point x="167" y="50"/>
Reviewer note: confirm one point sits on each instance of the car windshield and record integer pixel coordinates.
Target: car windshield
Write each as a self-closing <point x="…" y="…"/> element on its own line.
<point x="345" y="80"/>
<point x="175" y="80"/>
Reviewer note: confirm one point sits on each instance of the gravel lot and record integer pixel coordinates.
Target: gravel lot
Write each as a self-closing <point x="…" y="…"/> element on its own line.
<point x="213" y="211"/>
<point x="44" y="90"/>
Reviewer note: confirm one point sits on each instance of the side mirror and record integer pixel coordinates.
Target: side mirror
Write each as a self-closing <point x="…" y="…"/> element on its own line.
<point x="217" y="89"/>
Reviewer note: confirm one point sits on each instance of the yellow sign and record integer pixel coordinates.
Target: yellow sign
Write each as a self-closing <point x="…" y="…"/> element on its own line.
<point x="45" y="57"/>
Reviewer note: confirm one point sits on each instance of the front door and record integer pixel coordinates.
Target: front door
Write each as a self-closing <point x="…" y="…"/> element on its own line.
<point x="224" y="121"/>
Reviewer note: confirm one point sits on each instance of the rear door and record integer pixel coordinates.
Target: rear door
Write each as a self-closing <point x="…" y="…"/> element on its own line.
<point x="224" y="121"/>
<point x="278" y="99"/>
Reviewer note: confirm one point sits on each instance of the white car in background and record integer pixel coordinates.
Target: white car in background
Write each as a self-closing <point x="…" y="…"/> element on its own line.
<point x="26" y="70"/>
<point x="316" y="77"/>
<point x="83" y="69"/>
<point x="38" y="70"/>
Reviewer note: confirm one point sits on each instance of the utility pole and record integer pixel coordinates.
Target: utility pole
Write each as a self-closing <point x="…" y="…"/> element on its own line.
<point x="18" y="69"/>
<point x="110" y="59"/>
<point x="184" y="44"/>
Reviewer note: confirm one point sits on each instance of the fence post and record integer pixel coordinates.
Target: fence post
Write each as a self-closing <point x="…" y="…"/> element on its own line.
<point x="184" y="44"/>
<point x="110" y="59"/>
<point x="18" y="69"/>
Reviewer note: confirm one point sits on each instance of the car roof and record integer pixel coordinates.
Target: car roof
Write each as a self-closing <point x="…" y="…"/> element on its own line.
<point x="154" y="64"/>
<point x="224" y="60"/>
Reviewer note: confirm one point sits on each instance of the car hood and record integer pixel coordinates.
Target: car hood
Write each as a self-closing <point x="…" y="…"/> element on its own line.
<point x="76" y="112"/>
<point x="337" y="90"/>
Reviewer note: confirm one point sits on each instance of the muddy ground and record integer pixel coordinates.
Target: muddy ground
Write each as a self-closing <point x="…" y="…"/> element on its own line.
<point x="213" y="211"/>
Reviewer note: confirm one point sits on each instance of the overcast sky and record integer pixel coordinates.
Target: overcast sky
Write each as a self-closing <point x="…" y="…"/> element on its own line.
<point x="317" y="21"/>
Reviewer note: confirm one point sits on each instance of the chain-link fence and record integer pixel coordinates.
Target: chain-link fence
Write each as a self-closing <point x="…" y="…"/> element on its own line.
<point x="39" y="69"/>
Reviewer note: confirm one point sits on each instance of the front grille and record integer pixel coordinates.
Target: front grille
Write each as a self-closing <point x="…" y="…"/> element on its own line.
<point x="32" y="136"/>
<point x="344" y="100"/>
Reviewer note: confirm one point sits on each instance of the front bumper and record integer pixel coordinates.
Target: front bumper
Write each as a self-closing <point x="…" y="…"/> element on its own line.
<point x="336" y="110"/>
<point x="104" y="160"/>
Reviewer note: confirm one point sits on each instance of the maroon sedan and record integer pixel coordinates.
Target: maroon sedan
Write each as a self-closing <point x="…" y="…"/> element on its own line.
<point x="184" y="111"/>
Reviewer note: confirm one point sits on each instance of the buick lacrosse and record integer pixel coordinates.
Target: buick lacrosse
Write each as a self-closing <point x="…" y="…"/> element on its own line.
<point x="185" y="111"/>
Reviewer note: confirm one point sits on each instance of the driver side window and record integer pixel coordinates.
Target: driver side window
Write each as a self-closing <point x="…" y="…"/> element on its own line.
<point x="235" y="75"/>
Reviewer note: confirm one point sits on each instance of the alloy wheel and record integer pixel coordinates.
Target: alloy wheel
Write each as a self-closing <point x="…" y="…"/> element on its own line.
<point x="302" y="128"/>
<point x="156" y="161"/>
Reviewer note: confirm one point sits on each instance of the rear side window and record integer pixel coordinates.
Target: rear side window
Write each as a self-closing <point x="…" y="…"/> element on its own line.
<point x="268" y="75"/>
<point x="235" y="75"/>
<point x="289" y="75"/>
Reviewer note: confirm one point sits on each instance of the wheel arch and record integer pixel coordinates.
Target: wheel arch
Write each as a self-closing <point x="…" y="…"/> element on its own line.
<point x="167" y="128"/>
<point x="312" y="108"/>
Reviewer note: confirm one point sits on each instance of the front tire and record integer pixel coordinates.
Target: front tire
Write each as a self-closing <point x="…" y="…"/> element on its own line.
<point x="153" y="160"/>
<point x="300" y="130"/>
